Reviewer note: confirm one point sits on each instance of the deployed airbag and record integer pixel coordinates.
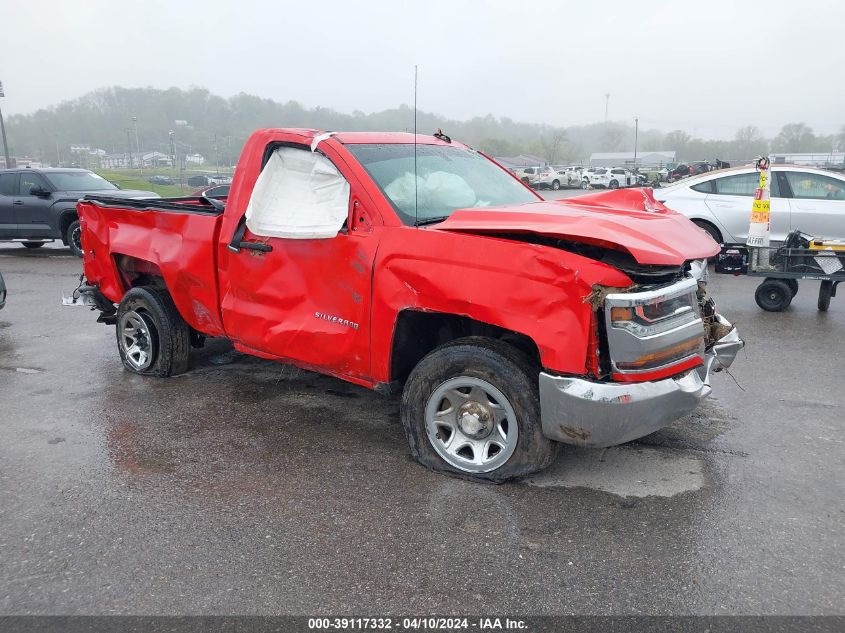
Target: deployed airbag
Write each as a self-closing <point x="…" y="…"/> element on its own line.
<point x="298" y="195"/>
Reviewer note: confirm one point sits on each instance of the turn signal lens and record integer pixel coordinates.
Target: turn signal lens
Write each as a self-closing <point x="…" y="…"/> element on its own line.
<point x="665" y="356"/>
<point x="621" y="314"/>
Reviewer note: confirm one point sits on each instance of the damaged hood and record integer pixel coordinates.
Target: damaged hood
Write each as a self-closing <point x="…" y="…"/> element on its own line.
<point x="623" y="219"/>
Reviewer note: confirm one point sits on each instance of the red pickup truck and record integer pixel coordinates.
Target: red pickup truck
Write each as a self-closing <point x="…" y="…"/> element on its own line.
<point x="419" y="265"/>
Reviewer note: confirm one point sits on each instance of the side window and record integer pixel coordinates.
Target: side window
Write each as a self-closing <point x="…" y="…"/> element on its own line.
<point x="738" y="185"/>
<point x="618" y="171"/>
<point x="744" y="185"/>
<point x="8" y="184"/>
<point x="815" y="186"/>
<point x="299" y="194"/>
<point x="703" y="187"/>
<point x="28" y="181"/>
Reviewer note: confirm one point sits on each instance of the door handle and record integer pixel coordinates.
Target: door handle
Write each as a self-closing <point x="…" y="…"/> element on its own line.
<point x="251" y="246"/>
<point x="18" y="203"/>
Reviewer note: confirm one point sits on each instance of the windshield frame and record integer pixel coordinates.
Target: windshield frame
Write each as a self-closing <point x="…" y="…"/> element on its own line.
<point x="521" y="194"/>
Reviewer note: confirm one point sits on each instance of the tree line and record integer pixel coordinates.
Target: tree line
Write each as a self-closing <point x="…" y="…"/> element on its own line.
<point x="217" y="127"/>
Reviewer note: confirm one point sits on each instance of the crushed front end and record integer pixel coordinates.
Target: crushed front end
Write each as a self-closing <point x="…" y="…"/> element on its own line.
<point x="658" y="344"/>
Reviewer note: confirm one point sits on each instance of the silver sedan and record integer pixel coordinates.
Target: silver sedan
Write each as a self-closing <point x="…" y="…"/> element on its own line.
<point x="805" y="198"/>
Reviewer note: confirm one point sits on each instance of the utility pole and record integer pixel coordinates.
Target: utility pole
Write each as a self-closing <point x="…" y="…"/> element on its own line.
<point x="636" y="135"/>
<point x="8" y="164"/>
<point x="129" y="146"/>
<point x="172" y="136"/>
<point x="58" y="155"/>
<point x="606" y="105"/>
<point x="138" y="147"/>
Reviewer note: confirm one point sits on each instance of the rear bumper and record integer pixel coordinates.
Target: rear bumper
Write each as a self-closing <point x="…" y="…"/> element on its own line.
<point x="587" y="413"/>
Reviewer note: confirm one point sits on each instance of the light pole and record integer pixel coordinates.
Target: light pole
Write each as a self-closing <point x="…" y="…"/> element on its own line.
<point x="8" y="164"/>
<point x="138" y="147"/>
<point x="129" y="146"/>
<point x="172" y="136"/>
<point x="636" y="135"/>
<point x="606" y="105"/>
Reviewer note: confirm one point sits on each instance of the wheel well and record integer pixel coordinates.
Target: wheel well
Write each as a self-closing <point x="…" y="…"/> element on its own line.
<point x="67" y="218"/>
<point x="712" y="227"/>
<point x="418" y="333"/>
<point x="135" y="271"/>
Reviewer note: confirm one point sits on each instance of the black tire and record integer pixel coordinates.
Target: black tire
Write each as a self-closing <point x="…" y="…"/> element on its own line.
<point x="33" y="244"/>
<point x="170" y="335"/>
<point x="708" y="228"/>
<point x="773" y="295"/>
<point x="585" y="184"/>
<point x="614" y="184"/>
<point x="555" y="185"/>
<point x="825" y="291"/>
<point x="73" y="235"/>
<point x="793" y="285"/>
<point x="503" y="367"/>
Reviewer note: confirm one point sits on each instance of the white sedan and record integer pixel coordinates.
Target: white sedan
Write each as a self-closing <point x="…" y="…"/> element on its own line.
<point x="812" y="200"/>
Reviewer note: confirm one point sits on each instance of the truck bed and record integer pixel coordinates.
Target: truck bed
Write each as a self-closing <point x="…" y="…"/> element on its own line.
<point x="174" y="238"/>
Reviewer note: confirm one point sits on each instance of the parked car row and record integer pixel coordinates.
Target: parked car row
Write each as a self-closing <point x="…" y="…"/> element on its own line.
<point x="563" y="176"/>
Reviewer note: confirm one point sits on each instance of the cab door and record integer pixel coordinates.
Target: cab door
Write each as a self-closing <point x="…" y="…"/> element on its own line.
<point x="307" y="300"/>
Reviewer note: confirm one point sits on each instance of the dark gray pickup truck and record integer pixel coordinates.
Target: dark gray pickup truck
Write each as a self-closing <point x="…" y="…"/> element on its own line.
<point x="39" y="205"/>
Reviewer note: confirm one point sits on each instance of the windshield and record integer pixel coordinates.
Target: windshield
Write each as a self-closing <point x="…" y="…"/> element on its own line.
<point x="78" y="181"/>
<point x="448" y="178"/>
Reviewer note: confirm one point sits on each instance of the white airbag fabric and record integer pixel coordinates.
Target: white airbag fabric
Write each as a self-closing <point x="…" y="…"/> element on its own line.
<point x="298" y="195"/>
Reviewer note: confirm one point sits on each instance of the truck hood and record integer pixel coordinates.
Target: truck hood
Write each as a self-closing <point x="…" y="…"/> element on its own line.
<point x="625" y="219"/>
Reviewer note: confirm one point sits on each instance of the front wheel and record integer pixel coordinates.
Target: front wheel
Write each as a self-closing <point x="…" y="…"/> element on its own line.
<point x="555" y="185"/>
<point x="74" y="238"/>
<point x="472" y="408"/>
<point x="585" y="184"/>
<point x="152" y="337"/>
<point x="613" y="184"/>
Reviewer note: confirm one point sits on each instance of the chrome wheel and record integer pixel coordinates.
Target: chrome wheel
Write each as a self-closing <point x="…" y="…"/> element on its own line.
<point x="136" y="340"/>
<point x="471" y="424"/>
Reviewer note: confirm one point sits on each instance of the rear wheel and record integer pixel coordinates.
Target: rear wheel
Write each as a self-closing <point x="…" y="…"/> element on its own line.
<point x="152" y="337"/>
<point x="33" y="244"/>
<point x="614" y="184"/>
<point x="555" y="185"/>
<point x="585" y="184"/>
<point x="825" y="291"/>
<point x="773" y="295"/>
<point x="471" y="408"/>
<point x="74" y="238"/>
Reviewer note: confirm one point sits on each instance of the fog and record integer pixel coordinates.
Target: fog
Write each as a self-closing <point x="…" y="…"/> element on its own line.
<point x="703" y="67"/>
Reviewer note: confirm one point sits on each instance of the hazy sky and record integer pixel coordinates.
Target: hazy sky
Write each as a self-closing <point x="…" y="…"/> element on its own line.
<point x="706" y="67"/>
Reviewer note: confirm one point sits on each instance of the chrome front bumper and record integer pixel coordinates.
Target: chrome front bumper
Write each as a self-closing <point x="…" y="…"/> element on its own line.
<point x="587" y="413"/>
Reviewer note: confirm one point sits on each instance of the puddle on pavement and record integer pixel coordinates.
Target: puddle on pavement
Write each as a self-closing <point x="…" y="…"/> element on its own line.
<point x="627" y="471"/>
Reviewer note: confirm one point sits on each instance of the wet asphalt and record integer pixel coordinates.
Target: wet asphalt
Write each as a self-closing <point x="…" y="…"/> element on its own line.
<point x="248" y="487"/>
